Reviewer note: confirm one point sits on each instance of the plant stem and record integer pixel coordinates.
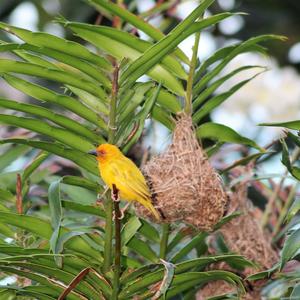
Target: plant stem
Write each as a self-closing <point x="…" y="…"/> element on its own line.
<point x="117" y="266"/>
<point x="164" y="241"/>
<point x="189" y="88"/>
<point x="109" y="203"/>
<point x="113" y="105"/>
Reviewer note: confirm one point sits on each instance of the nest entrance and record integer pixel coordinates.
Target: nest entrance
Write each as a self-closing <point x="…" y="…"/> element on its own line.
<point x="183" y="184"/>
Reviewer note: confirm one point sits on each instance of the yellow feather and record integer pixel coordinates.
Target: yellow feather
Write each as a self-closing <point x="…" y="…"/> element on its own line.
<point x="117" y="169"/>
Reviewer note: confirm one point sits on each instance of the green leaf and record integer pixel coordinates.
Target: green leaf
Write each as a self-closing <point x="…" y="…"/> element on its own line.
<point x="128" y="105"/>
<point x="160" y="115"/>
<point x="90" y="100"/>
<point x="56" y="217"/>
<point x="130" y="229"/>
<point x="38" y="160"/>
<point x="141" y="117"/>
<point x="150" y="278"/>
<point x="186" y="249"/>
<point x="290" y="248"/>
<point x="31" y="292"/>
<point x="83" y="160"/>
<point x="4" y="229"/>
<point x="139" y="23"/>
<point x="44" y="94"/>
<point x="244" y="161"/>
<point x="295" y="171"/>
<point x="51" y="283"/>
<point x="223" y="133"/>
<point x="185" y="281"/>
<point x="221" y="54"/>
<point x="295" y="125"/>
<point x="155" y="53"/>
<point x="88" y="209"/>
<point x="82" y="182"/>
<point x="85" y="67"/>
<point x="142" y="248"/>
<point x="149" y="231"/>
<point x="6" y="195"/>
<point x="294" y="209"/>
<point x="216" y="84"/>
<point x="56" y="133"/>
<point x="43" y="228"/>
<point x="30" y="69"/>
<point x="59" y="275"/>
<point x="56" y="118"/>
<point x="11" y="154"/>
<point x="121" y="51"/>
<point x="42" y="39"/>
<point x="295" y="294"/>
<point x="227" y="219"/>
<point x="226" y="55"/>
<point x="264" y="274"/>
<point x="131" y="41"/>
<point x="166" y="282"/>
<point x="55" y="203"/>
<point x="219" y="99"/>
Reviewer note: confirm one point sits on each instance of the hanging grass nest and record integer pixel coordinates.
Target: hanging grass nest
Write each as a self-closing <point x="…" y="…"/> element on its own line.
<point x="243" y="235"/>
<point x="183" y="184"/>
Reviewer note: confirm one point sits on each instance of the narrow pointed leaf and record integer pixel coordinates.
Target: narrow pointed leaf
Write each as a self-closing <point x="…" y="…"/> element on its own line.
<point x="30" y="69"/>
<point x="131" y="41"/>
<point x="234" y="51"/>
<point x="290" y="248"/>
<point x="42" y="39"/>
<point x="44" y="94"/>
<point x="56" y="118"/>
<point x="213" y="87"/>
<point x="155" y="53"/>
<point x="43" y="229"/>
<point x="222" y="133"/>
<point x="139" y="23"/>
<point x="55" y="133"/>
<point x="83" y="160"/>
<point x="85" y="67"/>
<point x="295" y="125"/>
<point x="219" y="99"/>
<point x="121" y="50"/>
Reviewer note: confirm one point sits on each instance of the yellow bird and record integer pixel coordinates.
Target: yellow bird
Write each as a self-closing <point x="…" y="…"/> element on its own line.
<point x="116" y="169"/>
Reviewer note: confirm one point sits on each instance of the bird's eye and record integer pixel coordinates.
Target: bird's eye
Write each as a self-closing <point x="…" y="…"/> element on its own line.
<point x="102" y="152"/>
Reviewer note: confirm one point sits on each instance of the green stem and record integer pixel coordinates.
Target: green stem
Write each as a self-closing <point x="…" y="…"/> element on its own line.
<point x="164" y="241"/>
<point x="190" y="81"/>
<point x="109" y="204"/>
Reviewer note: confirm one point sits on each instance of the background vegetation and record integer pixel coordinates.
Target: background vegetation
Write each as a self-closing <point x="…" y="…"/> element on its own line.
<point x="55" y="238"/>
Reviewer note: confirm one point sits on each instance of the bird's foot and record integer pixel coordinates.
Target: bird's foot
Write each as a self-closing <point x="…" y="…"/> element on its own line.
<point x="101" y="196"/>
<point x="123" y="210"/>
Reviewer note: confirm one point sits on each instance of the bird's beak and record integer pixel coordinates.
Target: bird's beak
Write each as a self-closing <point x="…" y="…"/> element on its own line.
<point x="93" y="152"/>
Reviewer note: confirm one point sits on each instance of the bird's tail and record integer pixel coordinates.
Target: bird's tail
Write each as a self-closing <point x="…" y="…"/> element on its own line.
<point x="151" y="208"/>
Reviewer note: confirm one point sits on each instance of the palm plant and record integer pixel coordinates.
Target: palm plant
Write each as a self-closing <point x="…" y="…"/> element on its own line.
<point x="104" y="101"/>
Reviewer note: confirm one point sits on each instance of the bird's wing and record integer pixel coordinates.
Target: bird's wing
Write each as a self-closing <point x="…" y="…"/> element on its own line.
<point x="130" y="177"/>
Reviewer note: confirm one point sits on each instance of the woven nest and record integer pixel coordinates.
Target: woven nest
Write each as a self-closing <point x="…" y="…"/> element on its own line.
<point x="243" y="235"/>
<point x="183" y="184"/>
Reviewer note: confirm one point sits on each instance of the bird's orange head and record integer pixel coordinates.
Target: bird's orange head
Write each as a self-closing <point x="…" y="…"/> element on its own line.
<point x="106" y="152"/>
